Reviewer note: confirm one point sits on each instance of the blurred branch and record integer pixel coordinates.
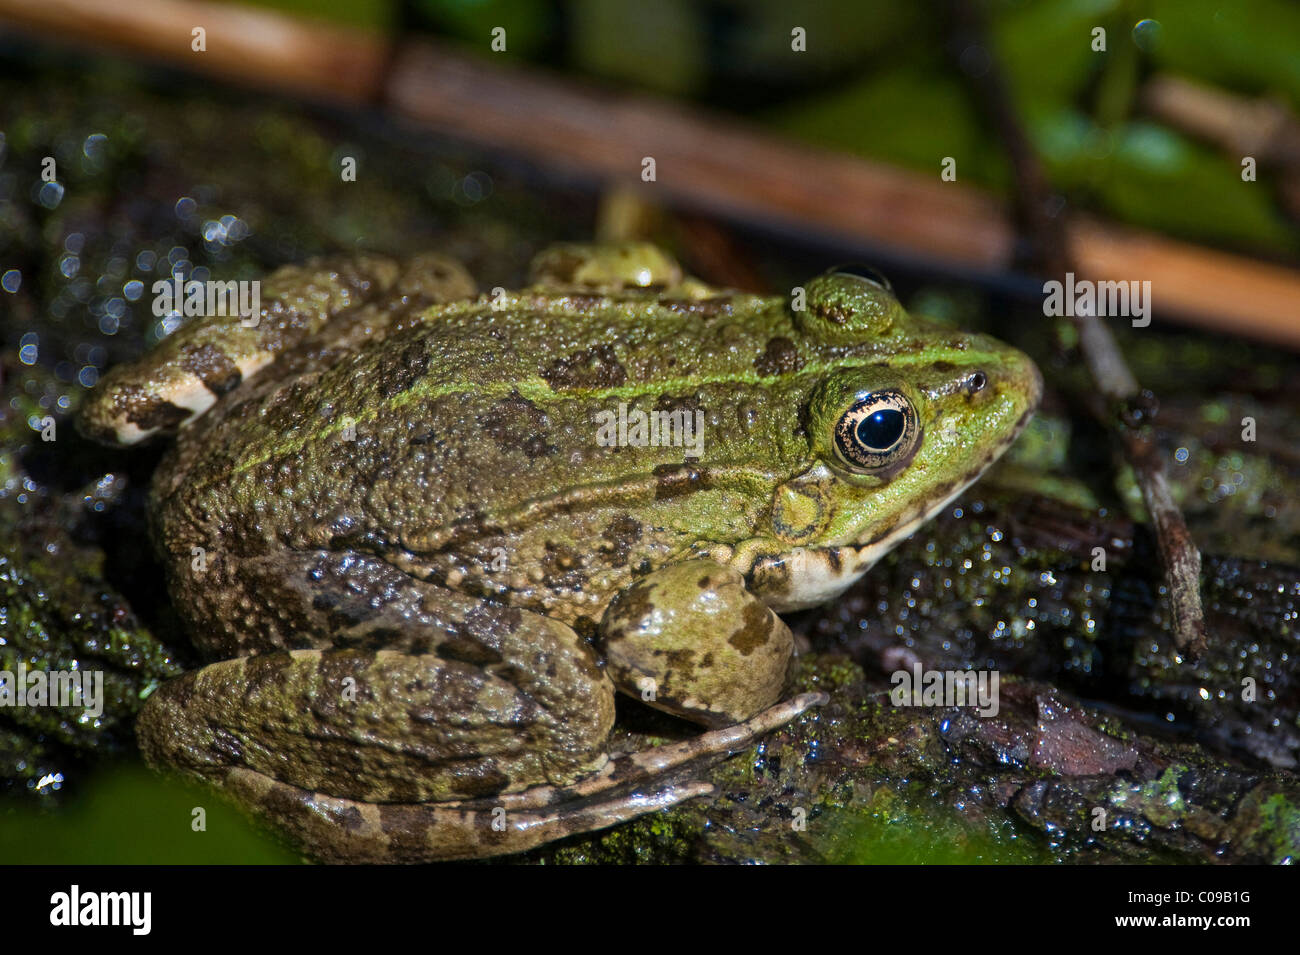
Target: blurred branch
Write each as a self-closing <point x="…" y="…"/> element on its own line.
<point x="1241" y="126"/>
<point x="1131" y="409"/>
<point x="704" y="162"/>
<point x="245" y="45"/>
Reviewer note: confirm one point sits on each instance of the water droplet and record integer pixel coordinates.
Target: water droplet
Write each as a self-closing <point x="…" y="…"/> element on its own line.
<point x="1146" y="34"/>
<point x="50" y="195"/>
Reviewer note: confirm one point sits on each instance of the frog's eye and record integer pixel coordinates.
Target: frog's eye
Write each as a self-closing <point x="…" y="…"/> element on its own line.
<point x="849" y="304"/>
<point x="862" y="273"/>
<point x="878" y="431"/>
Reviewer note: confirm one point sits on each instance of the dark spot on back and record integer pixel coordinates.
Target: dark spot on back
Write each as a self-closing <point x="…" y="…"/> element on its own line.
<point x="212" y="366"/>
<point x="780" y="357"/>
<point x="623" y="532"/>
<point x="399" y="371"/>
<point x="515" y="423"/>
<point x="597" y="367"/>
<point x="672" y="403"/>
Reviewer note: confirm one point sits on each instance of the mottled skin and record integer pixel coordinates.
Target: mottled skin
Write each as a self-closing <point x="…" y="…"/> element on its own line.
<point x="392" y="525"/>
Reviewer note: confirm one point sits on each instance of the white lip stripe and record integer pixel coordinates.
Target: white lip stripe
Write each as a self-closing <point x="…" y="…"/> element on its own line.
<point x="812" y="579"/>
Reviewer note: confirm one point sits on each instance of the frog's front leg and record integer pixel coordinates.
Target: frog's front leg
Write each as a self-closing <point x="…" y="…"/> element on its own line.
<point x="691" y="640"/>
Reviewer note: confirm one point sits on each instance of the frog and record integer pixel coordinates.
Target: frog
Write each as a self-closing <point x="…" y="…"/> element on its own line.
<point x="425" y="536"/>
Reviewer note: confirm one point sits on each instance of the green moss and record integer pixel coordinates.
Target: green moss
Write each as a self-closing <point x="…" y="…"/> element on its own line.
<point x="1280" y="827"/>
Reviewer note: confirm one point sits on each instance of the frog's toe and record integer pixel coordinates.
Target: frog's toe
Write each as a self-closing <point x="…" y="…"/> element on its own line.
<point x="606" y="266"/>
<point x="165" y="390"/>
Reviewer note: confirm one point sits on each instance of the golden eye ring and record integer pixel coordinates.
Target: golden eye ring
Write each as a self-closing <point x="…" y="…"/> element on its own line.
<point x="877" y="432"/>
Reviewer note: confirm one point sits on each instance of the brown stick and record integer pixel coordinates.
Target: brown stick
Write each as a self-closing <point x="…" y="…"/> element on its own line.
<point x="244" y="45"/>
<point x="1243" y="125"/>
<point x="703" y="161"/>
<point x="1132" y="409"/>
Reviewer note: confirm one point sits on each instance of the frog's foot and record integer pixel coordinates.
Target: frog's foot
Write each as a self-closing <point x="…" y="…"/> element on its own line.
<point x="605" y="266"/>
<point x="632" y="785"/>
<point x="645" y="766"/>
<point x="346" y="830"/>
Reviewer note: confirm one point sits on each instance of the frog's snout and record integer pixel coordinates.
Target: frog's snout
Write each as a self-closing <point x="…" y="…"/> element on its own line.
<point x="1023" y="383"/>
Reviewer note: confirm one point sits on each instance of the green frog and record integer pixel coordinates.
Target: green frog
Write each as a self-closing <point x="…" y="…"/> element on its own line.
<point x="424" y="535"/>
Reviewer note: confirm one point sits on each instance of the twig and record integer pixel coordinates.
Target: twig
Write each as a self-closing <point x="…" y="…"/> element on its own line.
<point x="241" y="44"/>
<point x="1264" y="129"/>
<point x="1246" y="126"/>
<point x="1132" y="409"/>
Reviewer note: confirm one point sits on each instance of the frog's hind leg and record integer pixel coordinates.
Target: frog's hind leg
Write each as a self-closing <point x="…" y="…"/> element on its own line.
<point x="325" y="303"/>
<point x="347" y="830"/>
<point x="420" y="723"/>
<point x="424" y="695"/>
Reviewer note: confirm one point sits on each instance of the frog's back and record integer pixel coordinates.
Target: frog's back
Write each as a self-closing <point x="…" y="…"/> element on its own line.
<point x="467" y="445"/>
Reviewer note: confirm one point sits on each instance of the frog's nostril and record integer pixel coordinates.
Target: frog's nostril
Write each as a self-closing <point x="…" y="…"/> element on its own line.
<point x="976" y="382"/>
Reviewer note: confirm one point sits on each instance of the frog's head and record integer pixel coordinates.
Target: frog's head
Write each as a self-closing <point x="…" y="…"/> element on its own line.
<point x="905" y="416"/>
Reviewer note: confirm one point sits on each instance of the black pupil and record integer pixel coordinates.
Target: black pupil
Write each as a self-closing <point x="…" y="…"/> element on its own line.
<point x="881" y="429"/>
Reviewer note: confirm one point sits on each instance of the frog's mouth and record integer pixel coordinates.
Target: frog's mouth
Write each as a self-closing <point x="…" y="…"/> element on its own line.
<point x="810" y="576"/>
